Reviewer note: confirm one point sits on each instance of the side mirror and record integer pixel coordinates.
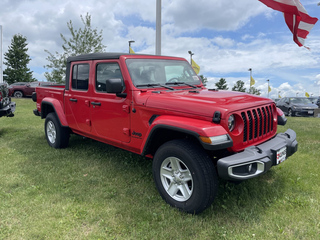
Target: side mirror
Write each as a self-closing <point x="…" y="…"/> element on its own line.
<point x="114" y="85"/>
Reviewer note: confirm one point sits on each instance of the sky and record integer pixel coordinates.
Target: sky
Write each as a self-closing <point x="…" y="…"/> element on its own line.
<point x="227" y="37"/>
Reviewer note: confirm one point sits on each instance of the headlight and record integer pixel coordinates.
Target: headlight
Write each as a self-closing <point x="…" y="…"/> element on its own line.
<point x="231" y="123"/>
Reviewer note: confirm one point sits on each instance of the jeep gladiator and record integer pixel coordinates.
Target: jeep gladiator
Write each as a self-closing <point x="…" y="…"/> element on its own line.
<point x="157" y="106"/>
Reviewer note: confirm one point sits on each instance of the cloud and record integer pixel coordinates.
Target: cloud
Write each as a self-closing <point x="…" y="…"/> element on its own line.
<point x="227" y="37"/>
<point x="229" y="15"/>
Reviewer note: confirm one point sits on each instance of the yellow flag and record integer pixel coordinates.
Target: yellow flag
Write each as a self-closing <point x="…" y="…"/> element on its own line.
<point x="269" y="89"/>
<point x="195" y="66"/>
<point x="252" y="81"/>
<point x="131" y="51"/>
<point x="307" y="94"/>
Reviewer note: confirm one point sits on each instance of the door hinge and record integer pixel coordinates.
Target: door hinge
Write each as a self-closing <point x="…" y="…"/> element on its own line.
<point x="126" y="108"/>
<point x="126" y="131"/>
<point x="88" y="122"/>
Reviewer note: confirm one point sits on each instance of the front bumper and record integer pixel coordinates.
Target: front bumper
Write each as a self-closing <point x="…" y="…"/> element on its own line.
<point x="8" y="110"/>
<point x="304" y="113"/>
<point x="256" y="160"/>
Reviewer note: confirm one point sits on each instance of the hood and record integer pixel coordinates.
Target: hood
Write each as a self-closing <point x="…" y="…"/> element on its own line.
<point x="204" y="102"/>
<point x="305" y="105"/>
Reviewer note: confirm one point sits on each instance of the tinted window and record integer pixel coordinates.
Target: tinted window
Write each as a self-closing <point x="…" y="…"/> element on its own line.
<point x="106" y="71"/>
<point x="80" y="77"/>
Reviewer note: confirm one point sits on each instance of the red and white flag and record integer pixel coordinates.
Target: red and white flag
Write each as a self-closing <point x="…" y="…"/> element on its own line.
<point x="296" y="17"/>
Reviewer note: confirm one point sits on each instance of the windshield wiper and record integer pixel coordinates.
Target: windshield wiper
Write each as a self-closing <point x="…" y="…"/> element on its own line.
<point x="154" y="85"/>
<point x="176" y="83"/>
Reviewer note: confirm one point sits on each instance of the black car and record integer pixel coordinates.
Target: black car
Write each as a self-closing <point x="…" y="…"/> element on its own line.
<point x="296" y="106"/>
<point x="315" y="100"/>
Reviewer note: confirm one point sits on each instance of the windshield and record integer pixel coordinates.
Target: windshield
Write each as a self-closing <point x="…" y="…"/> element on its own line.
<point x="157" y="72"/>
<point x="300" y="100"/>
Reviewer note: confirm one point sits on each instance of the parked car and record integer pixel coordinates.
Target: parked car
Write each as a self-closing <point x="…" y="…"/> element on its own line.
<point x="7" y="107"/>
<point x="315" y="100"/>
<point x="24" y="89"/>
<point x="157" y="106"/>
<point x="297" y="106"/>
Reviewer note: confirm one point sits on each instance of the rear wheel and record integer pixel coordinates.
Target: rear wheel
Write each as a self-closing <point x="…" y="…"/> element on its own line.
<point x="57" y="136"/>
<point x="185" y="176"/>
<point x="18" y="94"/>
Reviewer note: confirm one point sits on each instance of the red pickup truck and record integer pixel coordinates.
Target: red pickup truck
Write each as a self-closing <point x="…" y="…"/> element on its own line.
<point x="157" y="107"/>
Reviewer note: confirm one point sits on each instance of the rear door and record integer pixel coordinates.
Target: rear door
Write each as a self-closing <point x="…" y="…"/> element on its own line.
<point x="77" y="98"/>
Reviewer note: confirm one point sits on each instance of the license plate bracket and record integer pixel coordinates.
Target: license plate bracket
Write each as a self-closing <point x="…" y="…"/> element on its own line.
<point x="281" y="155"/>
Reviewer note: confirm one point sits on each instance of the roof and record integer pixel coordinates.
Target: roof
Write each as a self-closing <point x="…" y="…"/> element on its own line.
<point x="98" y="56"/>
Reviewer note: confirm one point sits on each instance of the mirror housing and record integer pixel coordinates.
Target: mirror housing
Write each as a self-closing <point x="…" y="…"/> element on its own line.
<point x="114" y="85"/>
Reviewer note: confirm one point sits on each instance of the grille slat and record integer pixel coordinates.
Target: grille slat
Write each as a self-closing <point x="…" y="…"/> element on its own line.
<point x="257" y="123"/>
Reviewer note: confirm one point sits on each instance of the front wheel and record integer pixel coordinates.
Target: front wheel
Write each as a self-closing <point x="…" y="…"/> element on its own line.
<point x="57" y="136"/>
<point x="185" y="176"/>
<point x="290" y="112"/>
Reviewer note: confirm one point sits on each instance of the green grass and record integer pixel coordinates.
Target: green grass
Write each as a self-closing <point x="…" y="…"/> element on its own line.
<point x="94" y="191"/>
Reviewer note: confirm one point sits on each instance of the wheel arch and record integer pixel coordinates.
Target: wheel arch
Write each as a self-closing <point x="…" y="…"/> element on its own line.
<point x="166" y="128"/>
<point x="161" y="134"/>
<point x="53" y="105"/>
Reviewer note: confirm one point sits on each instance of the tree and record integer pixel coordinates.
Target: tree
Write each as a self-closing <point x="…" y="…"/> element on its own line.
<point x="254" y="91"/>
<point x="16" y="60"/>
<point x="82" y="41"/>
<point x="204" y="80"/>
<point x="222" y="84"/>
<point x="239" y="86"/>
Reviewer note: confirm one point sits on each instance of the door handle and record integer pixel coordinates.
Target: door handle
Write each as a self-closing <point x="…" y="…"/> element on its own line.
<point x="96" y="103"/>
<point x="73" y="100"/>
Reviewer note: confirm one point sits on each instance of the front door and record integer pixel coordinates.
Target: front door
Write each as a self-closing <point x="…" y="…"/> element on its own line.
<point x="110" y="114"/>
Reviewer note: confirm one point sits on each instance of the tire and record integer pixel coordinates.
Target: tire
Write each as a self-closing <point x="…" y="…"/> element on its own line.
<point x="56" y="135"/>
<point x="185" y="176"/>
<point x="290" y="113"/>
<point x="18" y="94"/>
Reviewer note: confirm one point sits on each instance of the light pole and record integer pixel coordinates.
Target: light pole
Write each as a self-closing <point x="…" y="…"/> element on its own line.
<point x="158" y="27"/>
<point x="279" y="94"/>
<point x="131" y="41"/>
<point x="191" y="53"/>
<point x="1" y="72"/>
<point x="297" y="94"/>
<point x="268" y="87"/>
<point x="250" y="81"/>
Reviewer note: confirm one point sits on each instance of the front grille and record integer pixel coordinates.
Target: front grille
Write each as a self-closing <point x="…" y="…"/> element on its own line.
<point x="257" y="122"/>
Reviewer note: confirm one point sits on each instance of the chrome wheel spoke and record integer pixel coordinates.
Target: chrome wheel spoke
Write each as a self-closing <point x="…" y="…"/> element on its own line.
<point x="176" y="179"/>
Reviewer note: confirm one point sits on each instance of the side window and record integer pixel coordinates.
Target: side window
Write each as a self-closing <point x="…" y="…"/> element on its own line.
<point x="106" y="71"/>
<point x="80" y="77"/>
